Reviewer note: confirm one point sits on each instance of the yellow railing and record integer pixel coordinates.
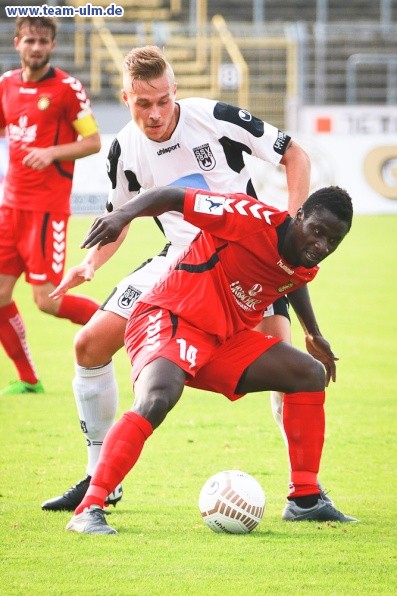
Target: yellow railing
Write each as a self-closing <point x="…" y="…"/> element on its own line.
<point x="80" y="36"/>
<point x="230" y="45"/>
<point x="103" y="38"/>
<point x="216" y="51"/>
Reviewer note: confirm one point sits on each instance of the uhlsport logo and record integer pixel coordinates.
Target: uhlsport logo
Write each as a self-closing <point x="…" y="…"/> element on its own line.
<point x="281" y="143"/>
<point x="245" y="115"/>
<point x="205" y="157"/>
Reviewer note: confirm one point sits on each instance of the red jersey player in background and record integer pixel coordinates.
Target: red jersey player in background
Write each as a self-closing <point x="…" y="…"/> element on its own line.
<point x="195" y="327"/>
<point x="47" y="117"/>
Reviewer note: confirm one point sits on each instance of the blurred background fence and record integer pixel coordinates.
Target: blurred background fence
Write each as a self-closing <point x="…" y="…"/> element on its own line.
<point x="264" y="55"/>
<point x="307" y="66"/>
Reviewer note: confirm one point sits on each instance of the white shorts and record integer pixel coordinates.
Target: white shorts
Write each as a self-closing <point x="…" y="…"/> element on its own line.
<point x="129" y="289"/>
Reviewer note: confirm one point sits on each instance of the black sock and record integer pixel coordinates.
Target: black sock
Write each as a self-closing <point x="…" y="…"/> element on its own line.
<point x="306" y="502"/>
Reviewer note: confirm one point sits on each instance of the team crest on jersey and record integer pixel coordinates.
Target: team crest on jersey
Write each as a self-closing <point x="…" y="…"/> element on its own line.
<point x="205" y="157"/>
<point x="128" y="297"/>
<point x="43" y="103"/>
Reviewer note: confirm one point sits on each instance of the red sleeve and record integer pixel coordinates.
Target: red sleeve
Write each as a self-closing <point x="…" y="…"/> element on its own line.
<point x="78" y="107"/>
<point x="229" y="216"/>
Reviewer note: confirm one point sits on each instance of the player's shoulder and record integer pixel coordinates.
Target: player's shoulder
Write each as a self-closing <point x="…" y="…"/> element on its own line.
<point x="125" y="143"/>
<point x="10" y="76"/>
<point x="129" y="130"/>
<point x="194" y="105"/>
<point x="70" y="82"/>
<point x="129" y="138"/>
<point x="197" y="101"/>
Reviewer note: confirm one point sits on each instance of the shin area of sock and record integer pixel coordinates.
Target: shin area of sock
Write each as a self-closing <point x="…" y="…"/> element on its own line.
<point x="121" y="450"/>
<point x="304" y="424"/>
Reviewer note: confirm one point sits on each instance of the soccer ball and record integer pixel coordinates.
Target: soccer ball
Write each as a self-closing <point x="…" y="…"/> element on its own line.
<point x="232" y="502"/>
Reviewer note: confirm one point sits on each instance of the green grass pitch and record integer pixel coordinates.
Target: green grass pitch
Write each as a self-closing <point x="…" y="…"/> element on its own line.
<point x="163" y="547"/>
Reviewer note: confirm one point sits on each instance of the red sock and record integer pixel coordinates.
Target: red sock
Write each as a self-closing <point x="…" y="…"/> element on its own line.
<point x="304" y="425"/>
<point x="78" y="309"/>
<point x="120" y="451"/>
<point x="13" y="339"/>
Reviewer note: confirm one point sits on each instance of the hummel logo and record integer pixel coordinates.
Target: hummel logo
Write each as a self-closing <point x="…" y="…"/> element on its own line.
<point x="285" y="267"/>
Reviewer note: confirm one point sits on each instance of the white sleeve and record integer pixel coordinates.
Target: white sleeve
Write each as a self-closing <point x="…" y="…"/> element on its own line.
<point x="124" y="185"/>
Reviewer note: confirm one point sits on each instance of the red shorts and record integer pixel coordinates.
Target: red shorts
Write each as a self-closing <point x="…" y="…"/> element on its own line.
<point x="33" y="243"/>
<point x="153" y="332"/>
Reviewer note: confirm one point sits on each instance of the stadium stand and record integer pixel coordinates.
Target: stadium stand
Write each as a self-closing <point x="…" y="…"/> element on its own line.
<point x="261" y="54"/>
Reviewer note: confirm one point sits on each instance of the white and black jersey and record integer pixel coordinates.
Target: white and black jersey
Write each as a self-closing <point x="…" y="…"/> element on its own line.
<point x="205" y="151"/>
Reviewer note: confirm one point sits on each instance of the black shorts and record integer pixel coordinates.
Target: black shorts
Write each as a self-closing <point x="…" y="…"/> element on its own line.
<point x="279" y="307"/>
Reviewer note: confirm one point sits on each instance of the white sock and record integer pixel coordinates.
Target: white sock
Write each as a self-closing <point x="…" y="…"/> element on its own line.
<point x="96" y="394"/>
<point x="276" y="400"/>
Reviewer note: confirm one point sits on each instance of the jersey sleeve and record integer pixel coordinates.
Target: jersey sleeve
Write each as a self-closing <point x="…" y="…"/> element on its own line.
<point x="124" y="184"/>
<point x="230" y="217"/>
<point x="78" y="108"/>
<point x="262" y="139"/>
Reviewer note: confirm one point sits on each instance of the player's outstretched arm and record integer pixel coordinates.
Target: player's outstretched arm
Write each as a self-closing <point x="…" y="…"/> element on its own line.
<point x="152" y="202"/>
<point x="85" y="271"/>
<point x="75" y="276"/>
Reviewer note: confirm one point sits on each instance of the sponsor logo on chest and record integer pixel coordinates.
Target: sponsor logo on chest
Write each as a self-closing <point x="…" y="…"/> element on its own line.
<point x="246" y="300"/>
<point x="21" y="131"/>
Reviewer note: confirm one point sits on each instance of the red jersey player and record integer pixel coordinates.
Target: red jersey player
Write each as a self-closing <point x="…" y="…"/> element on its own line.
<point x="47" y="117"/>
<point x="196" y="325"/>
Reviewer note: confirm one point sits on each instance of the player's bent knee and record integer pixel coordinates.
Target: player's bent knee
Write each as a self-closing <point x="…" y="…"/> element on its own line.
<point x="314" y="375"/>
<point x="155" y="408"/>
<point x="87" y="350"/>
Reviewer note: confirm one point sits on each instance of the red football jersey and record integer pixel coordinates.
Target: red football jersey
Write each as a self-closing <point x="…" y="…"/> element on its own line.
<point x="52" y="111"/>
<point x="233" y="269"/>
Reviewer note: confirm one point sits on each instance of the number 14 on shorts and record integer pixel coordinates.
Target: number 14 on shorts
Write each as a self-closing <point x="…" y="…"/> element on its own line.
<point x="187" y="353"/>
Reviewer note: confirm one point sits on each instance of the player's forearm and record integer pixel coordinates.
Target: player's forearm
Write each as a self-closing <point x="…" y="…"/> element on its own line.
<point x="96" y="258"/>
<point x="152" y="202"/>
<point x="297" y="170"/>
<point x="301" y="303"/>
<point x="78" y="149"/>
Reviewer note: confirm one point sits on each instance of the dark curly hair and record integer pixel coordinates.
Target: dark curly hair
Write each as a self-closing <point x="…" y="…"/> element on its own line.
<point x="335" y="199"/>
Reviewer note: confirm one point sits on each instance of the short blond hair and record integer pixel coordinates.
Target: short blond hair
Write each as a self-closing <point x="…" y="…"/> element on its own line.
<point x="146" y="63"/>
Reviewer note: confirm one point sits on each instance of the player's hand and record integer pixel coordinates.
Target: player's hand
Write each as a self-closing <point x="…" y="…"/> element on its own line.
<point x="104" y="230"/>
<point x="38" y="158"/>
<point x="320" y="349"/>
<point x="74" y="277"/>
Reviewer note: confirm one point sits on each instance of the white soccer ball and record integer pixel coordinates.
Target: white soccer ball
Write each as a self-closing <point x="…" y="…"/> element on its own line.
<point x="232" y="502"/>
